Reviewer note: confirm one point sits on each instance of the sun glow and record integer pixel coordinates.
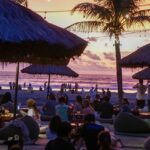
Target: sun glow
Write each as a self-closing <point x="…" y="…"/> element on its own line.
<point x="100" y="45"/>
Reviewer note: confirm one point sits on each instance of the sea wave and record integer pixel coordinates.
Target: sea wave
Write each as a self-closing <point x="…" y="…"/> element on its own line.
<point x="85" y="81"/>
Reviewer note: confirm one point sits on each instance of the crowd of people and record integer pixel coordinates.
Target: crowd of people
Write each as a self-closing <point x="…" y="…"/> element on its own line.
<point x="61" y="135"/>
<point x="59" y="112"/>
<point x="87" y="109"/>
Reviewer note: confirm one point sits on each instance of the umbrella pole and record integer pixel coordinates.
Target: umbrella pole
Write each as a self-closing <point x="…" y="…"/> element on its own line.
<point x="16" y="90"/>
<point x="48" y="87"/>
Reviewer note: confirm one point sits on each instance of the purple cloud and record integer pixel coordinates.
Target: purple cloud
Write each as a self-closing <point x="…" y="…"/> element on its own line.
<point x="109" y="56"/>
<point x="91" y="55"/>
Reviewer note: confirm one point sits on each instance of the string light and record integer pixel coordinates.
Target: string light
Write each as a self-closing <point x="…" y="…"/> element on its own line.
<point x="127" y="16"/>
<point x="59" y="11"/>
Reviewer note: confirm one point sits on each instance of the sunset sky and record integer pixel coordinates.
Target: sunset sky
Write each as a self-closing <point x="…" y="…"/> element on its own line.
<point x="99" y="56"/>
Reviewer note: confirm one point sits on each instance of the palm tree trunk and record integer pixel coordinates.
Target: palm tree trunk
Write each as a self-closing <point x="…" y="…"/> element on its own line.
<point x="48" y="87"/>
<point x="118" y="70"/>
<point x="16" y="90"/>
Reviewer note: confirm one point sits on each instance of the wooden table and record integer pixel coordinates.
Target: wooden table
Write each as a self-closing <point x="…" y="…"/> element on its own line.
<point x="144" y="115"/>
<point x="77" y="119"/>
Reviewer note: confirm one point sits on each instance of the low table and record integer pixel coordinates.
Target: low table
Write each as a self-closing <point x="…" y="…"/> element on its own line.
<point x="6" y="117"/>
<point x="77" y="120"/>
<point x="144" y="115"/>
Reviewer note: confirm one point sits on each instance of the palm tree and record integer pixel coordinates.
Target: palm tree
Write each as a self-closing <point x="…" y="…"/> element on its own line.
<point x="113" y="17"/>
<point x="22" y="2"/>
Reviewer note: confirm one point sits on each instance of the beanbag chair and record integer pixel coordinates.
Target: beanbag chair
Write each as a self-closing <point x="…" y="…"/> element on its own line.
<point x="32" y="126"/>
<point x="128" y="123"/>
<point x="147" y="144"/>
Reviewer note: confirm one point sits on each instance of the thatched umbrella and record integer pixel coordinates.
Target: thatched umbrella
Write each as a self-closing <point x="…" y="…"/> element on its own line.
<point x="143" y="74"/>
<point x="139" y="58"/>
<point x="27" y="37"/>
<point x="50" y="69"/>
<point x="24" y="35"/>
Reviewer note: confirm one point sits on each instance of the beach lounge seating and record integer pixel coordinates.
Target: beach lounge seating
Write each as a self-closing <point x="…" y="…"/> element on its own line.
<point x="147" y="144"/>
<point x="127" y="123"/>
<point x="26" y="128"/>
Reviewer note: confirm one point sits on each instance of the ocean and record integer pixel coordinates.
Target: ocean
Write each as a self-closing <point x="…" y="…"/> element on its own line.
<point x="85" y="81"/>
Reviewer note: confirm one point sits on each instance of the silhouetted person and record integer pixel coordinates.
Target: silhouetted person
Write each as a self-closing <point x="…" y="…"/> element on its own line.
<point x="62" y="142"/>
<point x="7" y="102"/>
<point x="106" y="108"/>
<point x="54" y="126"/>
<point x="104" y="141"/>
<point x="125" y="105"/>
<point x="140" y="95"/>
<point x="89" y="132"/>
<point x="108" y="93"/>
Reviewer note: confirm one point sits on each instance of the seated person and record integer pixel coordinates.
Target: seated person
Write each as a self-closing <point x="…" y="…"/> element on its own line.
<point x="26" y="128"/>
<point x="32" y="110"/>
<point x="7" y="102"/>
<point x="87" y="108"/>
<point x="97" y="103"/>
<point x="106" y="109"/>
<point x="125" y="105"/>
<point x="104" y="141"/>
<point x="78" y="105"/>
<point x="54" y="125"/>
<point x="89" y="132"/>
<point x="62" y="109"/>
<point x="62" y="141"/>
<point x="48" y="109"/>
<point x="128" y="123"/>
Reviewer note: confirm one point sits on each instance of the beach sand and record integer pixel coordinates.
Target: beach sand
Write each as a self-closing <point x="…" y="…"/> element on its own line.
<point x="40" y="96"/>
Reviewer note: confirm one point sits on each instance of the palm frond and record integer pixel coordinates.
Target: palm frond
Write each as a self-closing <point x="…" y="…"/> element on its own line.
<point x="86" y="26"/>
<point x="140" y="20"/>
<point x="144" y="12"/>
<point x="113" y="29"/>
<point x="105" y="3"/>
<point x="90" y="10"/>
<point x="112" y="16"/>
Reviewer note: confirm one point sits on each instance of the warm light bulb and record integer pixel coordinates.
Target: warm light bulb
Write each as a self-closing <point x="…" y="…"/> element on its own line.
<point x="127" y="16"/>
<point x="48" y="0"/>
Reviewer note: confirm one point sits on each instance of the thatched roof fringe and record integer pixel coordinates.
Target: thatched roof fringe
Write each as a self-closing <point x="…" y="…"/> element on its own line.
<point x="143" y="74"/>
<point x="139" y="58"/>
<point x="50" y="69"/>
